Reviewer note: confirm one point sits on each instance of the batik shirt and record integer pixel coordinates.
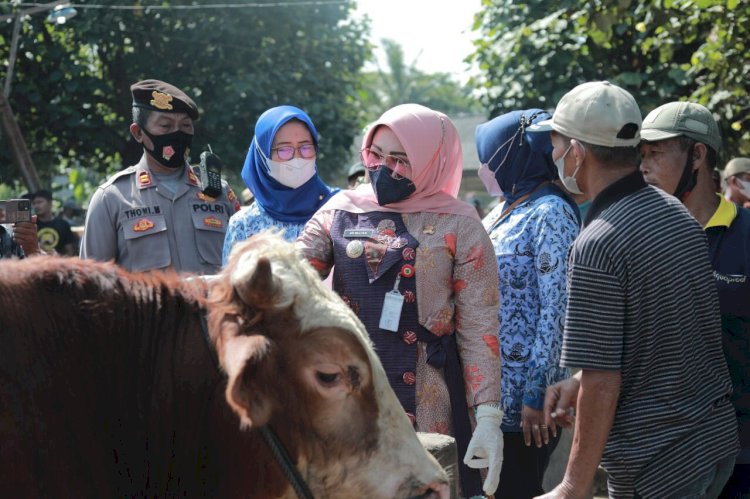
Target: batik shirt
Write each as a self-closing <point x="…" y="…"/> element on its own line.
<point x="252" y="220"/>
<point x="456" y="287"/>
<point x="531" y="245"/>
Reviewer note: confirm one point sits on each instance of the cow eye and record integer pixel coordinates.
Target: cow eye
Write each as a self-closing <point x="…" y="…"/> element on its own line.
<point x="327" y="378"/>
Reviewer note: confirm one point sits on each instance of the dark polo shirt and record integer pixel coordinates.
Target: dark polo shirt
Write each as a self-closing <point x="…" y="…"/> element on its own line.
<point x="728" y="234"/>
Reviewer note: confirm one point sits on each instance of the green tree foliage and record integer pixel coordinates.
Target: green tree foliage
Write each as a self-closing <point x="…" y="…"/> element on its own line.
<point x="401" y="82"/>
<point x="71" y="90"/>
<point x="532" y="53"/>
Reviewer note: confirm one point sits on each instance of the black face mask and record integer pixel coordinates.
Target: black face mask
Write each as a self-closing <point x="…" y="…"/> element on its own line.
<point x="388" y="189"/>
<point x="170" y="149"/>
<point x="688" y="179"/>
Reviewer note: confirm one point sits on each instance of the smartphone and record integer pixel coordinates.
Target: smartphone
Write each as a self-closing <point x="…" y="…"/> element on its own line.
<point x="16" y="210"/>
<point x="210" y="173"/>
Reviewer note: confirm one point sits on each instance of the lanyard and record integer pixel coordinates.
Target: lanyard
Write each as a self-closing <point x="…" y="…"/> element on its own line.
<point x="507" y="211"/>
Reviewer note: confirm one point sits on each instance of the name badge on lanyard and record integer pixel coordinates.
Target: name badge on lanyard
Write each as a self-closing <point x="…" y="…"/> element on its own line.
<point x="392" y="305"/>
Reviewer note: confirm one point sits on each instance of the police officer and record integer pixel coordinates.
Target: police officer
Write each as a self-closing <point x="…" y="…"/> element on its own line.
<point x="153" y="215"/>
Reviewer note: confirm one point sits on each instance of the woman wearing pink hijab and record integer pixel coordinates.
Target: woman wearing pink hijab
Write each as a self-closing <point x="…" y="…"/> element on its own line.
<point x="419" y="270"/>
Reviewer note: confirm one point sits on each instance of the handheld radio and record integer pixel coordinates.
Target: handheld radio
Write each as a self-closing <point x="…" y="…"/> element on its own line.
<point x="210" y="173"/>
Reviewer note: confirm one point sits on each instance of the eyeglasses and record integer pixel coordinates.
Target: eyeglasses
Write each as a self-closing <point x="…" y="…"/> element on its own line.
<point x="286" y="153"/>
<point x="373" y="160"/>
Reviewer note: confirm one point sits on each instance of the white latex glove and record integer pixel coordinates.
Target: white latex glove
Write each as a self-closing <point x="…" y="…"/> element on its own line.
<point x="486" y="446"/>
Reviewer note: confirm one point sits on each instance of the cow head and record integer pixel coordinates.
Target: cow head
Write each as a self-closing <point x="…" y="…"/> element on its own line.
<point x="299" y="359"/>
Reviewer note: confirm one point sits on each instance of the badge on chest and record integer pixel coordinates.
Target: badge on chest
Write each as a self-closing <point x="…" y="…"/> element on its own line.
<point x="390" y="316"/>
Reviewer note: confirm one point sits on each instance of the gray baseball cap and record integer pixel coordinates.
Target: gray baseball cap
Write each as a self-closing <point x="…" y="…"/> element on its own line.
<point x="596" y="112"/>
<point x="356" y="169"/>
<point x="737" y="165"/>
<point x="682" y="118"/>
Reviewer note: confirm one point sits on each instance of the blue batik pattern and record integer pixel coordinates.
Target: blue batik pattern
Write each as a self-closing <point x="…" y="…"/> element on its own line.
<point x="252" y="220"/>
<point x="531" y="246"/>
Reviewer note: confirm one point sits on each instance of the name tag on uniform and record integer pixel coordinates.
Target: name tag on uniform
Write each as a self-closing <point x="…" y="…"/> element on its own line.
<point x="349" y="233"/>
<point x="391" y="314"/>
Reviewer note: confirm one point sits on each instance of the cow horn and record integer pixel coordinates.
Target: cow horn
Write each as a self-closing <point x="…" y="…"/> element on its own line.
<point x="259" y="291"/>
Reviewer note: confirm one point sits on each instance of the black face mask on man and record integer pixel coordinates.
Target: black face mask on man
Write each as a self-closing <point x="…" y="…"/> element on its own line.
<point x="688" y="179"/>
<point x="388" y="189"/>
<point x="170" y="149"/>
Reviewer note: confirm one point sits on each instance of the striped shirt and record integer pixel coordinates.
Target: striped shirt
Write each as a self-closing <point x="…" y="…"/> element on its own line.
<point x="642" y="300"/>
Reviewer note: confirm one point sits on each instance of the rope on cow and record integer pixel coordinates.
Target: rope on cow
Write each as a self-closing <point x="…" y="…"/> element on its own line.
<point x="285" y="463"/>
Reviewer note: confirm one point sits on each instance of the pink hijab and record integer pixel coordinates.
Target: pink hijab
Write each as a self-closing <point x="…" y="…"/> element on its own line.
<point x="433" y="147"/>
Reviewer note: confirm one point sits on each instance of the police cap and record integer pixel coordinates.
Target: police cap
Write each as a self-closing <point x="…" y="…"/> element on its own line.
<point x="157" y="95"/>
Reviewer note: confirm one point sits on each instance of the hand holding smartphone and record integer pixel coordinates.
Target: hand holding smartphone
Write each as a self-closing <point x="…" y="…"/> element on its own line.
<point x="15" y="210"/>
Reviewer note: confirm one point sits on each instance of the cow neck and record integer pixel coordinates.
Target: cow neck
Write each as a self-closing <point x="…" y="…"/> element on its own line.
<point x="288" y="468"/>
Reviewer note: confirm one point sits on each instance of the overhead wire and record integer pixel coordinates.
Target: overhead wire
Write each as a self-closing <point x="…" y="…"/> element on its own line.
<point x="194" y="6"/>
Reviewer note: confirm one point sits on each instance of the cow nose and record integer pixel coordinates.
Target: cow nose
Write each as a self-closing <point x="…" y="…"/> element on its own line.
<point x="436" y="490"/>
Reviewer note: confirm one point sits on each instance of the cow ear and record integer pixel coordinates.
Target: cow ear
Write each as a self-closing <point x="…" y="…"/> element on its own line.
<point x="248" y="362"/>
<point x="259" y="290"/>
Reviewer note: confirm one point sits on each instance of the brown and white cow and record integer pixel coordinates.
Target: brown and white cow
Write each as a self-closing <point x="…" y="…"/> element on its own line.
<point x="108" y="386"/>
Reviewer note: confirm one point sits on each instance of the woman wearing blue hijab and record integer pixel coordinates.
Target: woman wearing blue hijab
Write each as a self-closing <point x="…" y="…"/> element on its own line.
<point x="531" y="233"/>
<point x="281" y="173"/>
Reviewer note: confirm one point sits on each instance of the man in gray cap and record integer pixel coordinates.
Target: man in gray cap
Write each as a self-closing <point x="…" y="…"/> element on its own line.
<point x="737" y="178"/>
<point x="679" y="149"/>
<point x="154" y="215"/>
<point x="356" y="175"/>
<point x="651" y="399"/>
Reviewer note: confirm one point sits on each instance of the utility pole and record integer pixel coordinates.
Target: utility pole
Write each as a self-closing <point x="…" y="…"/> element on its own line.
<point x="8" y="122"/>
<point x="21" y="155"/>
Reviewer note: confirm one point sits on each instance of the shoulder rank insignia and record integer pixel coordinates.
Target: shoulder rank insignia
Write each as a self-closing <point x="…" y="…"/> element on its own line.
<point x="161" y="100"/>
<point x="142" y="225"/>
<point x="213" y="222"/>
<point x="144" y="179"/>
<point x="192" y="177"/>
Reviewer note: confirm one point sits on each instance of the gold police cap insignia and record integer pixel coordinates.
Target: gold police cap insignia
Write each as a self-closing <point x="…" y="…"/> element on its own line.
<point x="161" y="100"/>
<point x="163" y="97"/>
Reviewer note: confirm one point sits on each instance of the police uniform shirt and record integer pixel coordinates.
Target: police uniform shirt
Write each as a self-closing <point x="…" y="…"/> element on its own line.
<point x="142" y="226"/>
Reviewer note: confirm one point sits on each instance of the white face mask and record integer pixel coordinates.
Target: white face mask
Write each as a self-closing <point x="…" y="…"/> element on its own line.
<point x="487" y="177"/>
<point x="744" y="188"/>
<point x="569" y="182"/>
<point x="292" y="173"/>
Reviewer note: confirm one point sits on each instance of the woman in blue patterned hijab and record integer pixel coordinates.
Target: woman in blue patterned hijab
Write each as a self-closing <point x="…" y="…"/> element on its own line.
<point x="531" y="233"/>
